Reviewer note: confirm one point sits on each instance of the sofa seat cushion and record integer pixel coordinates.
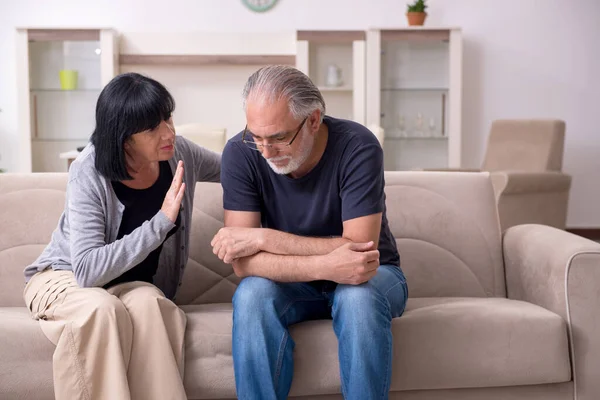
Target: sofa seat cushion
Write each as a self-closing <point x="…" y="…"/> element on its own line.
<point x="439" y="343"/>
<point x="26" y="357"/>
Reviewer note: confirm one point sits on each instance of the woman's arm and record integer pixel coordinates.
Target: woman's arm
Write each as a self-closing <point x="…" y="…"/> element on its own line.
<point x="96" y="262"/>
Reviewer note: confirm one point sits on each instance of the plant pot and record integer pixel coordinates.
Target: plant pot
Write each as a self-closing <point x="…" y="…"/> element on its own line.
<point x="416" y="18"/>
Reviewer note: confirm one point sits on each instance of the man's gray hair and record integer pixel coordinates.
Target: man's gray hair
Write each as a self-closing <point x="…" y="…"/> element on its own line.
<point x="275" y="82"/>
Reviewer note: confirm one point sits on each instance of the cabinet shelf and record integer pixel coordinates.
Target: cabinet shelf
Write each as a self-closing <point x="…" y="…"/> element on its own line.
<point x="50" y="90"/>
<point x="205" y="59"/>
<point x="335" y="88"/>
<point x="415" y="89"/>
<point x="416" y="138"/>
<point x="58" y="140"/>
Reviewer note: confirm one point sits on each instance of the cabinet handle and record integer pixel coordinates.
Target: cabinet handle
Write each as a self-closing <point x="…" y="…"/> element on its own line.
<point x="443" y="114"/>
<point x="35" y="117"/>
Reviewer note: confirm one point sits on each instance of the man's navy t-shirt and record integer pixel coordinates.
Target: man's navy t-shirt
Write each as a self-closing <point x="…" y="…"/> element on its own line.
<point x="346" y="183"/>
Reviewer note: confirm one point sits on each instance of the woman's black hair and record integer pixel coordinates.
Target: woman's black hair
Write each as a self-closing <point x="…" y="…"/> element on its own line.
<point x="130" y="103"/>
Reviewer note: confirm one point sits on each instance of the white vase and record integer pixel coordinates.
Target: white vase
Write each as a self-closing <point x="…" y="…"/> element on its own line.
<point x="334" y="75"/>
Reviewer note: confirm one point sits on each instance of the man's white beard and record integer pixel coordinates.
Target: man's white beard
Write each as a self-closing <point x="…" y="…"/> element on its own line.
<point x="294" y="163"/>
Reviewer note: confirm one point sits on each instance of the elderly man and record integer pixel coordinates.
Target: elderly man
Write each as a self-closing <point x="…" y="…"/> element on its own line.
<point x="306" y="229"/>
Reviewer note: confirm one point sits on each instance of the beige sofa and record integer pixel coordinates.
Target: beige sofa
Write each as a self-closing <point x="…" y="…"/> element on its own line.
<point x="490" y="316"/>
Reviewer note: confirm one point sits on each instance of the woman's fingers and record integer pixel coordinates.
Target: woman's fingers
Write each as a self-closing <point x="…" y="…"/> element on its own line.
<point x="179" y="196"/>
<point x="179" y="174"/>
<point x="177" y="177"/>
<point x="174" y="197"/>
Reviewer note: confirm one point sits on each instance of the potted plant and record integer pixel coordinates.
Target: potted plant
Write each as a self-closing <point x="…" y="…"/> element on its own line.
<point x="416" y="13"/>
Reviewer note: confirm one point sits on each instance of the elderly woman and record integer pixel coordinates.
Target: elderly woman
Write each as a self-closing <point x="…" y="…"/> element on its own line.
<point x="102" y="288"/>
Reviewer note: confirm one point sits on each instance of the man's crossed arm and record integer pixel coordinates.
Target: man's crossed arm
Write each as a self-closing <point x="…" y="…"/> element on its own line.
<point x="284" y="257"/>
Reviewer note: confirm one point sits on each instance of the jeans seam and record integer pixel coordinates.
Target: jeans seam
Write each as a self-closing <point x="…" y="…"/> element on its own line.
<point x="280" y="359"/>
<point x="387" y="371"/>
<point x="390" y="289"/>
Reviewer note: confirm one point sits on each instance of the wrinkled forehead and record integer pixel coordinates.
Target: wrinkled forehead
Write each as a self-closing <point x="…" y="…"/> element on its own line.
<point x="264" y="119"/>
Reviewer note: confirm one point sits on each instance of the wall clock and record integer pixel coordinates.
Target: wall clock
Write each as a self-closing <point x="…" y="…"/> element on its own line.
<point x="259" y="5"/>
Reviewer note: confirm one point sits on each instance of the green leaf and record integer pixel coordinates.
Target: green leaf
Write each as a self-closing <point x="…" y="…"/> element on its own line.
<point x="417" y="6"/>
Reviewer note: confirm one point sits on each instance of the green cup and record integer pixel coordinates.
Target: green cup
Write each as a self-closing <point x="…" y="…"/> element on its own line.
<point x="68" y="79"/>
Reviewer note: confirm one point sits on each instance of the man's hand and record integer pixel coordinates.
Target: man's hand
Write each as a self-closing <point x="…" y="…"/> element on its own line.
<point x="232" y="243"/>
<point x="351" y="264"/>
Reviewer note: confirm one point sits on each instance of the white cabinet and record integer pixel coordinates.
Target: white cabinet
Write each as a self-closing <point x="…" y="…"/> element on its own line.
<point x="414" y="89"/>
<point x="55" y="116"/>
<point x="406" y="83"/>
<point x="206" y="71"/>
<point x="335" y="62"/>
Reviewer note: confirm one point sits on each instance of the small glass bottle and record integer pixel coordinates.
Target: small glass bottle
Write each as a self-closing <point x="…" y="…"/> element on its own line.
<point x="432" y="127"/>
<point x="419" y="125"/>
<point x="401" y="126"/>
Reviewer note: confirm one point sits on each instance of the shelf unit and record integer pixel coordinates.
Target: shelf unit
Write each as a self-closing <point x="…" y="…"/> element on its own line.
<point x="318" y="52"/>
<point x="206" y="71"/>
<point x="53" y="120"/>
<point x="414" y="90"/>
<point x="405" y="83"/>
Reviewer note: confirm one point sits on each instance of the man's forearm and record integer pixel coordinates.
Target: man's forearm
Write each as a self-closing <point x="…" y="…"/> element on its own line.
<point x="278" y="242"/>
<point x="280" y="268"/>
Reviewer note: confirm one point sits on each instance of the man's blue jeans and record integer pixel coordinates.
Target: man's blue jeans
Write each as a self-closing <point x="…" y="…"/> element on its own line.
<point x="362" y="315"/>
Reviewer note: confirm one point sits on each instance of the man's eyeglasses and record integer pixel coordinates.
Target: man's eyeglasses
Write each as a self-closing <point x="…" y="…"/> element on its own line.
<point x="274" y="146"/>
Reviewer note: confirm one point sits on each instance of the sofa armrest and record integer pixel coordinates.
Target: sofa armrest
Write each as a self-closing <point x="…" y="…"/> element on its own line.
<point x="560" y="271"/>
<point x="531" y="197"/>
<point x="514" y="182"/>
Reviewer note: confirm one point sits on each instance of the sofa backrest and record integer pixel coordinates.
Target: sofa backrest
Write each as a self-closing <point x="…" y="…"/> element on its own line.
<point x="531" y="145"/>
<point x="448" y="233"/>
<point x="30" y="205"/>
<point x="446" y="226"/>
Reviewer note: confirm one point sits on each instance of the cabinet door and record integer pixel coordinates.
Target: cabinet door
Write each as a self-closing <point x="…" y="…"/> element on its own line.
<point x="65" y="82"/>
<point x="409" y="96"/>
<point x="65" y="71"/>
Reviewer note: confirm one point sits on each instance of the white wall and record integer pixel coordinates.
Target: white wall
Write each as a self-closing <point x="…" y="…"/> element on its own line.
<point x="523" y="58"/>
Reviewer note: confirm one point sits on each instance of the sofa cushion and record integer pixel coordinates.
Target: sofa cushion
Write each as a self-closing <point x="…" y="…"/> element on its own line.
<point x="26" y="354"/>
<point x="438" y="343"/>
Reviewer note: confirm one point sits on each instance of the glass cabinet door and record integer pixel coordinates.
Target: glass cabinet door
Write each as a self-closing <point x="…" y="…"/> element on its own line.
<point x="413" y="97"/>
<point x="64" y="87"/>
<point x="60" y="74"/>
